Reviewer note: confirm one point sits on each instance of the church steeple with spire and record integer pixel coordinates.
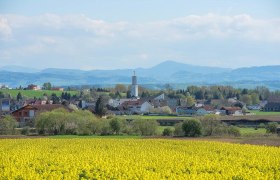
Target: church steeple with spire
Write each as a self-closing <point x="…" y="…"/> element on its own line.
<point x="134" y="86"/>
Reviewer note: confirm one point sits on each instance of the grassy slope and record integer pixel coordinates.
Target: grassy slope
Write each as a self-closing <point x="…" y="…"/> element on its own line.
<point x="33" y="93"/>
<point x="252" y="131"/>
<point x="152" y="117"/>
<point x="258" y="113"/>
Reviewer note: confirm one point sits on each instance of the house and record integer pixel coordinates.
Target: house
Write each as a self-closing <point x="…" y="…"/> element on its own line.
<point x="33" y="87"/>
<point x="36" y="102"/>
<point x="136" y="107"/>
<point x="200" y="103"/>
<point x="5" y="105"/>
<point x="26" y="114"/>
<point x="254" y="107"/>
<point x="117" y="102"/>
<point x="162" y="100"/>
<point x="200" y="111"/>
<point x="231" y="111"/>
<point x="263" y="103"/>
<point x="210" y="109"/>
<point x="191" y="111"/>
<point x="273" y="104"/>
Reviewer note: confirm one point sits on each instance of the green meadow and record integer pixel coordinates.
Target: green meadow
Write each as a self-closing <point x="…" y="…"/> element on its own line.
<point x="33" y="93"/>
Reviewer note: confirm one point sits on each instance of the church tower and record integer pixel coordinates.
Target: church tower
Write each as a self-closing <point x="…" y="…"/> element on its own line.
<point x="134" y="86"/>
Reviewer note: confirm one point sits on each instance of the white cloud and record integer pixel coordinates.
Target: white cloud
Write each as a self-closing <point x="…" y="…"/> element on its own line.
<point x="216" y="26"/>
<point x="78" y="36"/>
<point x="184" y="28"/>
<point x="5" y="29"/>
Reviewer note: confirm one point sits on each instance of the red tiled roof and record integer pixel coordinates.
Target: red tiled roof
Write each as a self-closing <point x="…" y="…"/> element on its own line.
<point x="45" y="107"/>
<point x="208" y="108"/>
<point x="231" y="108"/>
<point x="132" y="103"/>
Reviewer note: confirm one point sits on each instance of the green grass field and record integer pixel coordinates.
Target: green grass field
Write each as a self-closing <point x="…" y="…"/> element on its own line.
<point x="33" y="93"/>
<point x="152" y="117"/>
<point x="252" y="131"/>
<point x="262" y="113"/>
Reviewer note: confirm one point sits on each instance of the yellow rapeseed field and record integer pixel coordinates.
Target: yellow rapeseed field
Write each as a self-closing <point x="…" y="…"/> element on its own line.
<point x="135" y="159"/>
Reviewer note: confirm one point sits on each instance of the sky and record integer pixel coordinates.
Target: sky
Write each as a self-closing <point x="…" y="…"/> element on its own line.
<point x="116" y="34"/>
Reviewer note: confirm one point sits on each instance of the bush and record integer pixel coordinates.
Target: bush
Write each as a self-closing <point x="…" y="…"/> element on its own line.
<point x="261" y="125"/>
<point x="127" y="128"/>
<point x="167" y="132"/>
<point x="61" y="121"/>
<point x="233" y="130"/>
<point x="145" y="127"/>
<point x="25" y="130"/>
<point x="84" y="121"/>
<point x="192" y="128"/>
<point x="272" y="127"/>
<point x="7" y="125"/>
<point x="211" y="125"/>
<point x="115" y="125"/>
<point x="105" y="127"/>
<point x="178" y="129"/>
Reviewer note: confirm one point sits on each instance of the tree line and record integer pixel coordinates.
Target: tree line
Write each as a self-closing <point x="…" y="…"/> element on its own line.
<point x="82" y="122"/>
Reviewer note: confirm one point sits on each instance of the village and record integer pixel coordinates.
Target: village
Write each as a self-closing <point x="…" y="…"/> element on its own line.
<point x="161" y="103"/>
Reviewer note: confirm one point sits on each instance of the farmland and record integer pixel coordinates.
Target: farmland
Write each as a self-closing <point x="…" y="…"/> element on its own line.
<point x="135" y="158"/>
<point x="262" y="113"/>
<point x="33" y="93"/>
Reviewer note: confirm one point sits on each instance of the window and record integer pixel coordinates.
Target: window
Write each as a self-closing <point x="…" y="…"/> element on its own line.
<point x="31" y="113"/>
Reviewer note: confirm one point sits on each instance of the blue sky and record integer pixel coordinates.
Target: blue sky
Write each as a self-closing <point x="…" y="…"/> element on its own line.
<point x="110" y="34"/>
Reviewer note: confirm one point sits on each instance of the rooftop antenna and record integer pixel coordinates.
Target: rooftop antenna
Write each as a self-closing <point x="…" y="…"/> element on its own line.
<point x="134" y="73"/>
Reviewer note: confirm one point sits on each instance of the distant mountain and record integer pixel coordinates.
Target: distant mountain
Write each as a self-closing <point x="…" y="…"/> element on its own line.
<point x="167" y="72"/>
<point x="14" y="68"/>
<point x="173" y="67"/>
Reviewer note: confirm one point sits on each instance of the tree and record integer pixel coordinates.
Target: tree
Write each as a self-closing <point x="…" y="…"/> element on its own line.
<point x="255" y="98"/>
<point x="244" y="91"/>
<point x="47" y="86"/>
<point x="192" y="128"/>
<point x="60" y="121"/>
<point x="118" y="95"/>
<point x="168" y="88"/>
<point x="115" y="125"/>
<point x="263" y="92"/>
<point x="7" y="125"/>
<point x="272" y="127"/>
<point x="55" y="99"/>
<point x="100" y="108"/>
<point x="178" y="129"/>
<point x="246" y="99"/>
<point x="167" y="132"/>
<point x="19" y="96"/>
<point x="145" y="94"/>
<point x="128" y="94"/>
<point x="190" y="101"/>
<point x="145" y="127"/>
<point x="233" y="130"/>
<point x="209" y="124"/>
<point x="120" y="88"/>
